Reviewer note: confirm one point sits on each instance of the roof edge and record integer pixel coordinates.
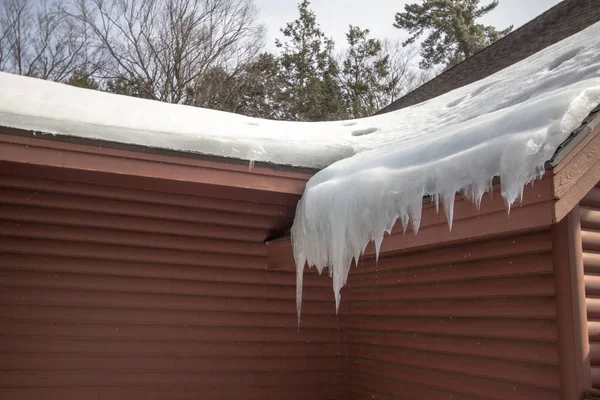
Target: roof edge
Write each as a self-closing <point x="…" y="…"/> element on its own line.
<point x="111" y="164"/>
<point x="148" y="150"/>
<point x="587" y="126"/>
<point x="576" y="167"/>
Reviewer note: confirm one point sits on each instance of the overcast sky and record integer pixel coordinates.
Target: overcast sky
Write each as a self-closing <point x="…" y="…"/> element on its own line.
<point x="334" y="16"/>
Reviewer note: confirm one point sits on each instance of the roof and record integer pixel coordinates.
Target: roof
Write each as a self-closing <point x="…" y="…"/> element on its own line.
<point x="72" y="113"/>
<point x="561" y="21"/>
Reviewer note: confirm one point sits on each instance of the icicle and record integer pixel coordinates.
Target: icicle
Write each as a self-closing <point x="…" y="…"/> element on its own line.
<point x="299" y="285"/>
<point x="521" y="194"/>
<point x="480" y="190"/>
<point x="390" y="226"/>
<point x="404" y="219"/>
<point x="507" y="203"/>
<point x="251" y="165"/>
<point x="415" y="210"/>
<point x="356" y="257"/>
<point x="378" y="241"/>
<point x="448" y="203"/>
<point x="338" y="283"/>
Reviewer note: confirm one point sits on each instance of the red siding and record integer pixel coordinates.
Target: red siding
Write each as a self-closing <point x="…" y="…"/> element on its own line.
<point x="468" y="321"/>
<point x="108" y="292"/>
<point x="590" y="237"/>
<point x="155" y="282"/>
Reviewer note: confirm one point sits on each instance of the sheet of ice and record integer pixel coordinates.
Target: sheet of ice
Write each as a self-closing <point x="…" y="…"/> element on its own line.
<point x="378" y="168"/>
<point x="506" y="125"/>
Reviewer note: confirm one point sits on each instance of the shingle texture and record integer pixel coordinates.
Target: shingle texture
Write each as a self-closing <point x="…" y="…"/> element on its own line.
<point x="561" y="21"/>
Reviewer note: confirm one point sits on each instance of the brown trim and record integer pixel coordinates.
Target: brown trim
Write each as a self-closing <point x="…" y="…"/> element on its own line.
<point x="534" y="213"/>
<point x="77" y="157"/>
<point x="578" y="136"/>
<point x="574" y="349"/>
<point x="180" y="154"/>
<point x="576" y="174"/>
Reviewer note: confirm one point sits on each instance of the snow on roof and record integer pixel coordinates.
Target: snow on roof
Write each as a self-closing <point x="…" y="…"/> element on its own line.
<point x="506" y="125"/>
<point x="378" y="168"/>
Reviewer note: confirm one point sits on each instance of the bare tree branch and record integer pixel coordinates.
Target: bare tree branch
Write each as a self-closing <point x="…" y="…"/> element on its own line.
<point x="164" y="46"/>
<point x="37" y="38"/>
<point x="404" y="73"/>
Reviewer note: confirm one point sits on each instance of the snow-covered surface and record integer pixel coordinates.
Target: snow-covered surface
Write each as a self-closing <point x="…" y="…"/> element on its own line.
<point x="378" y="168"/>
<point x="506" y="125"/>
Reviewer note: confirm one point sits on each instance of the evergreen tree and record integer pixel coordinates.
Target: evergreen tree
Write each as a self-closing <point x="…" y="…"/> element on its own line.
<point x="454" y="34"/>
<point x="364" y="68"/>
<point x="261" y="88"/>
<point x="83" y="79"/>
<point x="312" y="92"/>
<point x="255" y="91"/>
<point x="214" y="89"/>
<point x="134" y="87"/>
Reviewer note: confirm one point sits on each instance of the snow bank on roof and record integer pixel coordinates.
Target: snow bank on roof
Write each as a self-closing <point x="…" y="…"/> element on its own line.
<point x="506" y="125"/>
<point x="50" y="107"/>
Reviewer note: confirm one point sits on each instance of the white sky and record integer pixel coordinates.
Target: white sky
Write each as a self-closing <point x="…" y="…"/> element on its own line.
<point x="334" y="16"/>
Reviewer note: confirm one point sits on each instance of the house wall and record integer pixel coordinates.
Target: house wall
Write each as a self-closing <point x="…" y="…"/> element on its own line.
<point x="109" y="292"/>
<point x="115" y="284"/>
<point x="464" y="321"/>
<point x="590" y="238"/>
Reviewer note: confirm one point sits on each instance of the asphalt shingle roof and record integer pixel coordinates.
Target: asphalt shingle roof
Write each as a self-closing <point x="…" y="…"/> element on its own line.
<point x="561" y="21"/>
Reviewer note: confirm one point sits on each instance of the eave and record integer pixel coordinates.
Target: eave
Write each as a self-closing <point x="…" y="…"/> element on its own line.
<point x="469" y="224"/>
<point x="571" y="174"/>
<point x="577" y="168"/>
<point x="182" y="173"/>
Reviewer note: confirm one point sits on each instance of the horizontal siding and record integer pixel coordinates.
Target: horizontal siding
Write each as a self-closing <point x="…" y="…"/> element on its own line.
<point x="222" y="390"/>
<point x="114" y="293"/>
<point x="469" y="321"/>
<point x="590" y="237"/>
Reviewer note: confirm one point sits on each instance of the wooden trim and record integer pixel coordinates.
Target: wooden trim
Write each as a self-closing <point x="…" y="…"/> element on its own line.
<point x="576" y="174"/>
<point x="574" y="349"/>
<point x="581" y="137"/>
<point x="152" y="153"/>
<point x="77" y="157"/>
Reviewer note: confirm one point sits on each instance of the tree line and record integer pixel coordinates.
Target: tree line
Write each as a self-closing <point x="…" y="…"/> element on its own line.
<point x="211" y="53"/>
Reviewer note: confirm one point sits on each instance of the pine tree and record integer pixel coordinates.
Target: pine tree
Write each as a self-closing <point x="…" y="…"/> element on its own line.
<point x="83" y="79"/>
<point x="261" y="88"/>
<point x="134" y="87"/>
<point x="255" y="91"/>
<point x="454" y="34"/>
<point x="364" y="68"/>
<point x="312" y="92"/>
